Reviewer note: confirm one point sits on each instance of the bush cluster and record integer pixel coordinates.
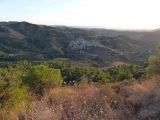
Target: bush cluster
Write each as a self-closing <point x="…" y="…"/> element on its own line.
<point x="19" y="79"/>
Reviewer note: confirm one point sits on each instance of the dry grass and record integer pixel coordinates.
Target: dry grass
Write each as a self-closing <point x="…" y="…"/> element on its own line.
<point x="120" y="101"/>
<point x="144" y="98"/>
<point x="83" y="103"/>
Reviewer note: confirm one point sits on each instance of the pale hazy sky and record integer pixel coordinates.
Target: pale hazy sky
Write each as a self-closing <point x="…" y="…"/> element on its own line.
<point x="117" y="14"/>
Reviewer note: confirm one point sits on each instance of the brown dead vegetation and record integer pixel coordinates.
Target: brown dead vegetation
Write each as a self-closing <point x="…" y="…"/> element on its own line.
<point x="133" y="100"/>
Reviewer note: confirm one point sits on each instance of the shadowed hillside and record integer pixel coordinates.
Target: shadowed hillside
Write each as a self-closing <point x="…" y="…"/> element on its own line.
<point x="22" y="40"/>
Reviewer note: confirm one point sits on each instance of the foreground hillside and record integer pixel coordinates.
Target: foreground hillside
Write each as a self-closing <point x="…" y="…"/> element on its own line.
<point x="60" y="91"/>
<point x="22" y="40"/>
<point x="120" y="101"/>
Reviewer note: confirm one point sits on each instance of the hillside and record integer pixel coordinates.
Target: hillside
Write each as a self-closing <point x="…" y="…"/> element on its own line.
<point x="22" y="40"/>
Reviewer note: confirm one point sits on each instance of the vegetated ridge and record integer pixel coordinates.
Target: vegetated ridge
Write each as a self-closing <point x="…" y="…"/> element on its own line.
<point x="23" y="40"/>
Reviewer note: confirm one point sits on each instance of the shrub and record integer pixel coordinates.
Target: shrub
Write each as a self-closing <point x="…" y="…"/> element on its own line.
<point x="41" y="76"/>
<point x="16" y="99"/>
<point x="60" y="63"/>
<point x="87" y="75"/>
<point x="12" y="74"/>
<point x="96" y="75"/>
<point x="102" y="77"/>
<point x="23" y="66"/>
<point x="123" y="72"/>
<point x="153" y="67"/>
<point x="72" y="75"/>
<point x="10" y="77"/>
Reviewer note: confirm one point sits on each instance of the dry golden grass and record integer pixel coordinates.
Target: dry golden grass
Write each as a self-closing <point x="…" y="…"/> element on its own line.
<point x="134" y="100"/>
<point x="97" y="102"/>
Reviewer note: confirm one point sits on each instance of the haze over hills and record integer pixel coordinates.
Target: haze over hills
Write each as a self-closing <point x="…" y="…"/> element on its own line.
<point x="23" y="40"/>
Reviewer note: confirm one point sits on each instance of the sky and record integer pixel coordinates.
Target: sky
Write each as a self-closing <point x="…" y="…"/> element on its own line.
<point x="111" y="14"/>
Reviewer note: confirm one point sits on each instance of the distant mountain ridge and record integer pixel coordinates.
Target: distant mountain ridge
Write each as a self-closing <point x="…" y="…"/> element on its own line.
<point x="24" y="40"/>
